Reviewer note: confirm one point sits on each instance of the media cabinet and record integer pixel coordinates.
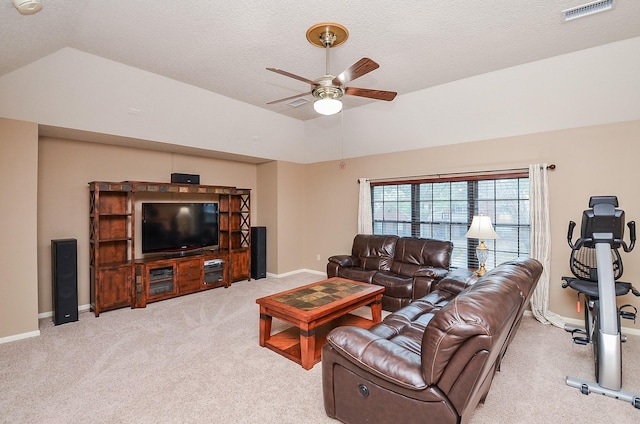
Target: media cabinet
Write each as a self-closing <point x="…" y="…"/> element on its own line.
<point x="118" y="279"/>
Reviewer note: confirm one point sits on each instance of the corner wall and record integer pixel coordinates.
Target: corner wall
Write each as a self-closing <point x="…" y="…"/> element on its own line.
<point x="282" y="205"/>
<point x="18" y="215"/>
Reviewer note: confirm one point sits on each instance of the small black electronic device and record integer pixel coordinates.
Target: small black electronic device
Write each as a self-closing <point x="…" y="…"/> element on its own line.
<point x="177" y="178"/>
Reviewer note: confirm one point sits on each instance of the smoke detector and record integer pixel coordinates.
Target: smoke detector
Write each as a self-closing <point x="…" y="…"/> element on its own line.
<point x="28" y="7"/>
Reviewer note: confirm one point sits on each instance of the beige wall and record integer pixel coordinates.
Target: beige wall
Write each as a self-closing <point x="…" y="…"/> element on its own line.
<point x="268" y="200"/>
<point x="291" y="215"/>
<point x="18" y="215"/>
<point x="65" y="168"/>
<point x="282" y="203"/>
<point x="308" y="210"/>
<point x="597" y="160"/>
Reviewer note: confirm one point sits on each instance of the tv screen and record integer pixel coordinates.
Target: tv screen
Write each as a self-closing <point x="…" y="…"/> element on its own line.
<point x="175" y="227"/>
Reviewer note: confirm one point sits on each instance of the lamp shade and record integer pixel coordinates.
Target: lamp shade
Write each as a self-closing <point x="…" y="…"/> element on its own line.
<point x="327" y="106"/>
<point x="481" y="228"/>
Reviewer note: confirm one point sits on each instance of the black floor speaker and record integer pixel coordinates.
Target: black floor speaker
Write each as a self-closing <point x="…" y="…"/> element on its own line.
<point x="258" y="252"/>
<point x="64" y="272"/>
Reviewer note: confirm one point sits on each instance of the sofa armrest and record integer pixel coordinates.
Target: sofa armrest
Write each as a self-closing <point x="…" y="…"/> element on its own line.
<point x="456" y="281"/>
<point x="424" y="280"/>
<point x="430" y="272"/>
<point x="378" y="356"/>
<point x="345" y="260"/>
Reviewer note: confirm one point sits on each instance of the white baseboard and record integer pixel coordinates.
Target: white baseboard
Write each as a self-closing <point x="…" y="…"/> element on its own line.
<point x="297" y="271"/>
<point x="580" y="323"/>
<point x="22" y="336"/>
<point x="623" y="330"/>
<point x="49" y="314"/>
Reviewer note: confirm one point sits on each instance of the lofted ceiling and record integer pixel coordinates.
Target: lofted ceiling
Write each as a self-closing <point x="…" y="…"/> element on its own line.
<point x="224" y="47"/>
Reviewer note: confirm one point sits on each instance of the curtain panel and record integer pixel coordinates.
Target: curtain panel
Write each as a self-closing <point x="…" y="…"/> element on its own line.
<point x="541" y="242"/>
<point x="365" y="215"/>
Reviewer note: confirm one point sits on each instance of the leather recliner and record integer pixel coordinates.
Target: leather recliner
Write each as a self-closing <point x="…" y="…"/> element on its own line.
<point x="432" y="361"/>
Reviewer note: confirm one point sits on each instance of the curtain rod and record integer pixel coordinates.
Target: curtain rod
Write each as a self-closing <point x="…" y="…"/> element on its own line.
<point x="451" y="174"/>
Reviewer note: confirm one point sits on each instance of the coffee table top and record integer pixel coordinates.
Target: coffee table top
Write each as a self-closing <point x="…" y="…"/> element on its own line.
<point x="318" y="295"/>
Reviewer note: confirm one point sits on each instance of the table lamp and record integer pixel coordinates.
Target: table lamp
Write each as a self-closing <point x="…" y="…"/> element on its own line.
<point x="481" y="229"/>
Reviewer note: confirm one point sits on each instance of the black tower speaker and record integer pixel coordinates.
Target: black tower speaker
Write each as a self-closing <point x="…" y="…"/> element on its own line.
<point x="258" y="252"/>
<point x="64" y="272"/>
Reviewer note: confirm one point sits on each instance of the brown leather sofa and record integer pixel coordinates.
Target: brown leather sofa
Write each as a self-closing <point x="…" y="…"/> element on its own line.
<point x="432" y="361"/>
<point x="406" y="267"/>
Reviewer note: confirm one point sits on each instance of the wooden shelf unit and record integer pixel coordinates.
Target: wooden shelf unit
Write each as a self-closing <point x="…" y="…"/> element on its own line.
<point x="238" y="224"/>
<point x="118" y="279"/>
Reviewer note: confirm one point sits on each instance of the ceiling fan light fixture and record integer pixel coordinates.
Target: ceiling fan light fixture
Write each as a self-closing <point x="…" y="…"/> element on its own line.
<point x="327" y="106"/>
<point x="329" y="89"/>
<point x="28" y="7"/>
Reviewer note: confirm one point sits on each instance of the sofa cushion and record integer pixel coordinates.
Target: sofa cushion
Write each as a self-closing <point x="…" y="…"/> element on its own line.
<point x="412" y="254"/>
<point x="375" y="252"/>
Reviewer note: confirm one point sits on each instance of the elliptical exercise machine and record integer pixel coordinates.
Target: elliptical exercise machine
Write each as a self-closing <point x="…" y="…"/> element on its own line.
<point x="596" y="264"/>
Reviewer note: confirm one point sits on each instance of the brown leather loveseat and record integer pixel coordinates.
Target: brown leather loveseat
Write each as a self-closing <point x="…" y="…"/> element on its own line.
<point x="432" y="361"/>
<point x="406" y="267"/>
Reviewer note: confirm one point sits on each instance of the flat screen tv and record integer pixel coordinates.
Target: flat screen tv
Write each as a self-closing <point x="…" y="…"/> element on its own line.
<point x="179" y="227"/>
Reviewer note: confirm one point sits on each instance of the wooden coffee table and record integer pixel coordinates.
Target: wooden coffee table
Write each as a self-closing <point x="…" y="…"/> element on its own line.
<point x="314" y="310"/>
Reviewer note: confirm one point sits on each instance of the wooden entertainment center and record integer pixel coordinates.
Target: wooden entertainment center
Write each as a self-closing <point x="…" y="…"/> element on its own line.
<point x="119" y="279"/>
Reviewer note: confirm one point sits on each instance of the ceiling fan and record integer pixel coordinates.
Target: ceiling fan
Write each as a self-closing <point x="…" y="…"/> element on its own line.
<point x="328" y="89"/>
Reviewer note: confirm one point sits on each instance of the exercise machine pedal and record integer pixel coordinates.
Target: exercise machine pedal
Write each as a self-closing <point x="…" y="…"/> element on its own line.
<point x="581" y="340"/>
<point x="578" y="339"/>
<point x="628" y="314"/>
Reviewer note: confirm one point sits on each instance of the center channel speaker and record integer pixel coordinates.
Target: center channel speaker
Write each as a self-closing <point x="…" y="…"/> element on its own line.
<point x="185" y="178"/>
<point x="64" y="272"/>
<point x="258" y="252"/>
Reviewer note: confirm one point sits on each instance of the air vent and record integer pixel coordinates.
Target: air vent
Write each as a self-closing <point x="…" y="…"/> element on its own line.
<point x="587" y="9"/>
<point x="298" y="102"/>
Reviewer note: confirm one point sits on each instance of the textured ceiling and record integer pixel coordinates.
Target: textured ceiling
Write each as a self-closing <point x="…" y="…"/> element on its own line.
<point x="225" y="47"/>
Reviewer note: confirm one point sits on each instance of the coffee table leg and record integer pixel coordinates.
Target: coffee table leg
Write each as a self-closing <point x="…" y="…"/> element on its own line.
<point x="307" y="347"/>
<point x="265" y="326"/>
<point x="376" y="309"/>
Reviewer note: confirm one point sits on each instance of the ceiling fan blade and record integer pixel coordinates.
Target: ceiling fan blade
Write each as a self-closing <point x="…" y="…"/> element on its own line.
<point x="290" y="75"/>
<point x="297" y="96"/>
<point x="372" y="94"/>
<point x="358" y="69"/>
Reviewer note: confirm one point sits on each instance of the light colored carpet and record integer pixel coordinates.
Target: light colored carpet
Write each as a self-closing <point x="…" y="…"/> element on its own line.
<point x="196" y="359"/>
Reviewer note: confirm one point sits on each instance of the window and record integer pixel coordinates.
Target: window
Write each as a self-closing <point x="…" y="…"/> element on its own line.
<point x="443" y="210"/>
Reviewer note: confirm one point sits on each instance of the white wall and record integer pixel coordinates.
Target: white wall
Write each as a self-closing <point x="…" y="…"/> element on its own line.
<point x="77" y="90"/>
<point x="589" y="87"/>
<point x="72" y="89"/>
